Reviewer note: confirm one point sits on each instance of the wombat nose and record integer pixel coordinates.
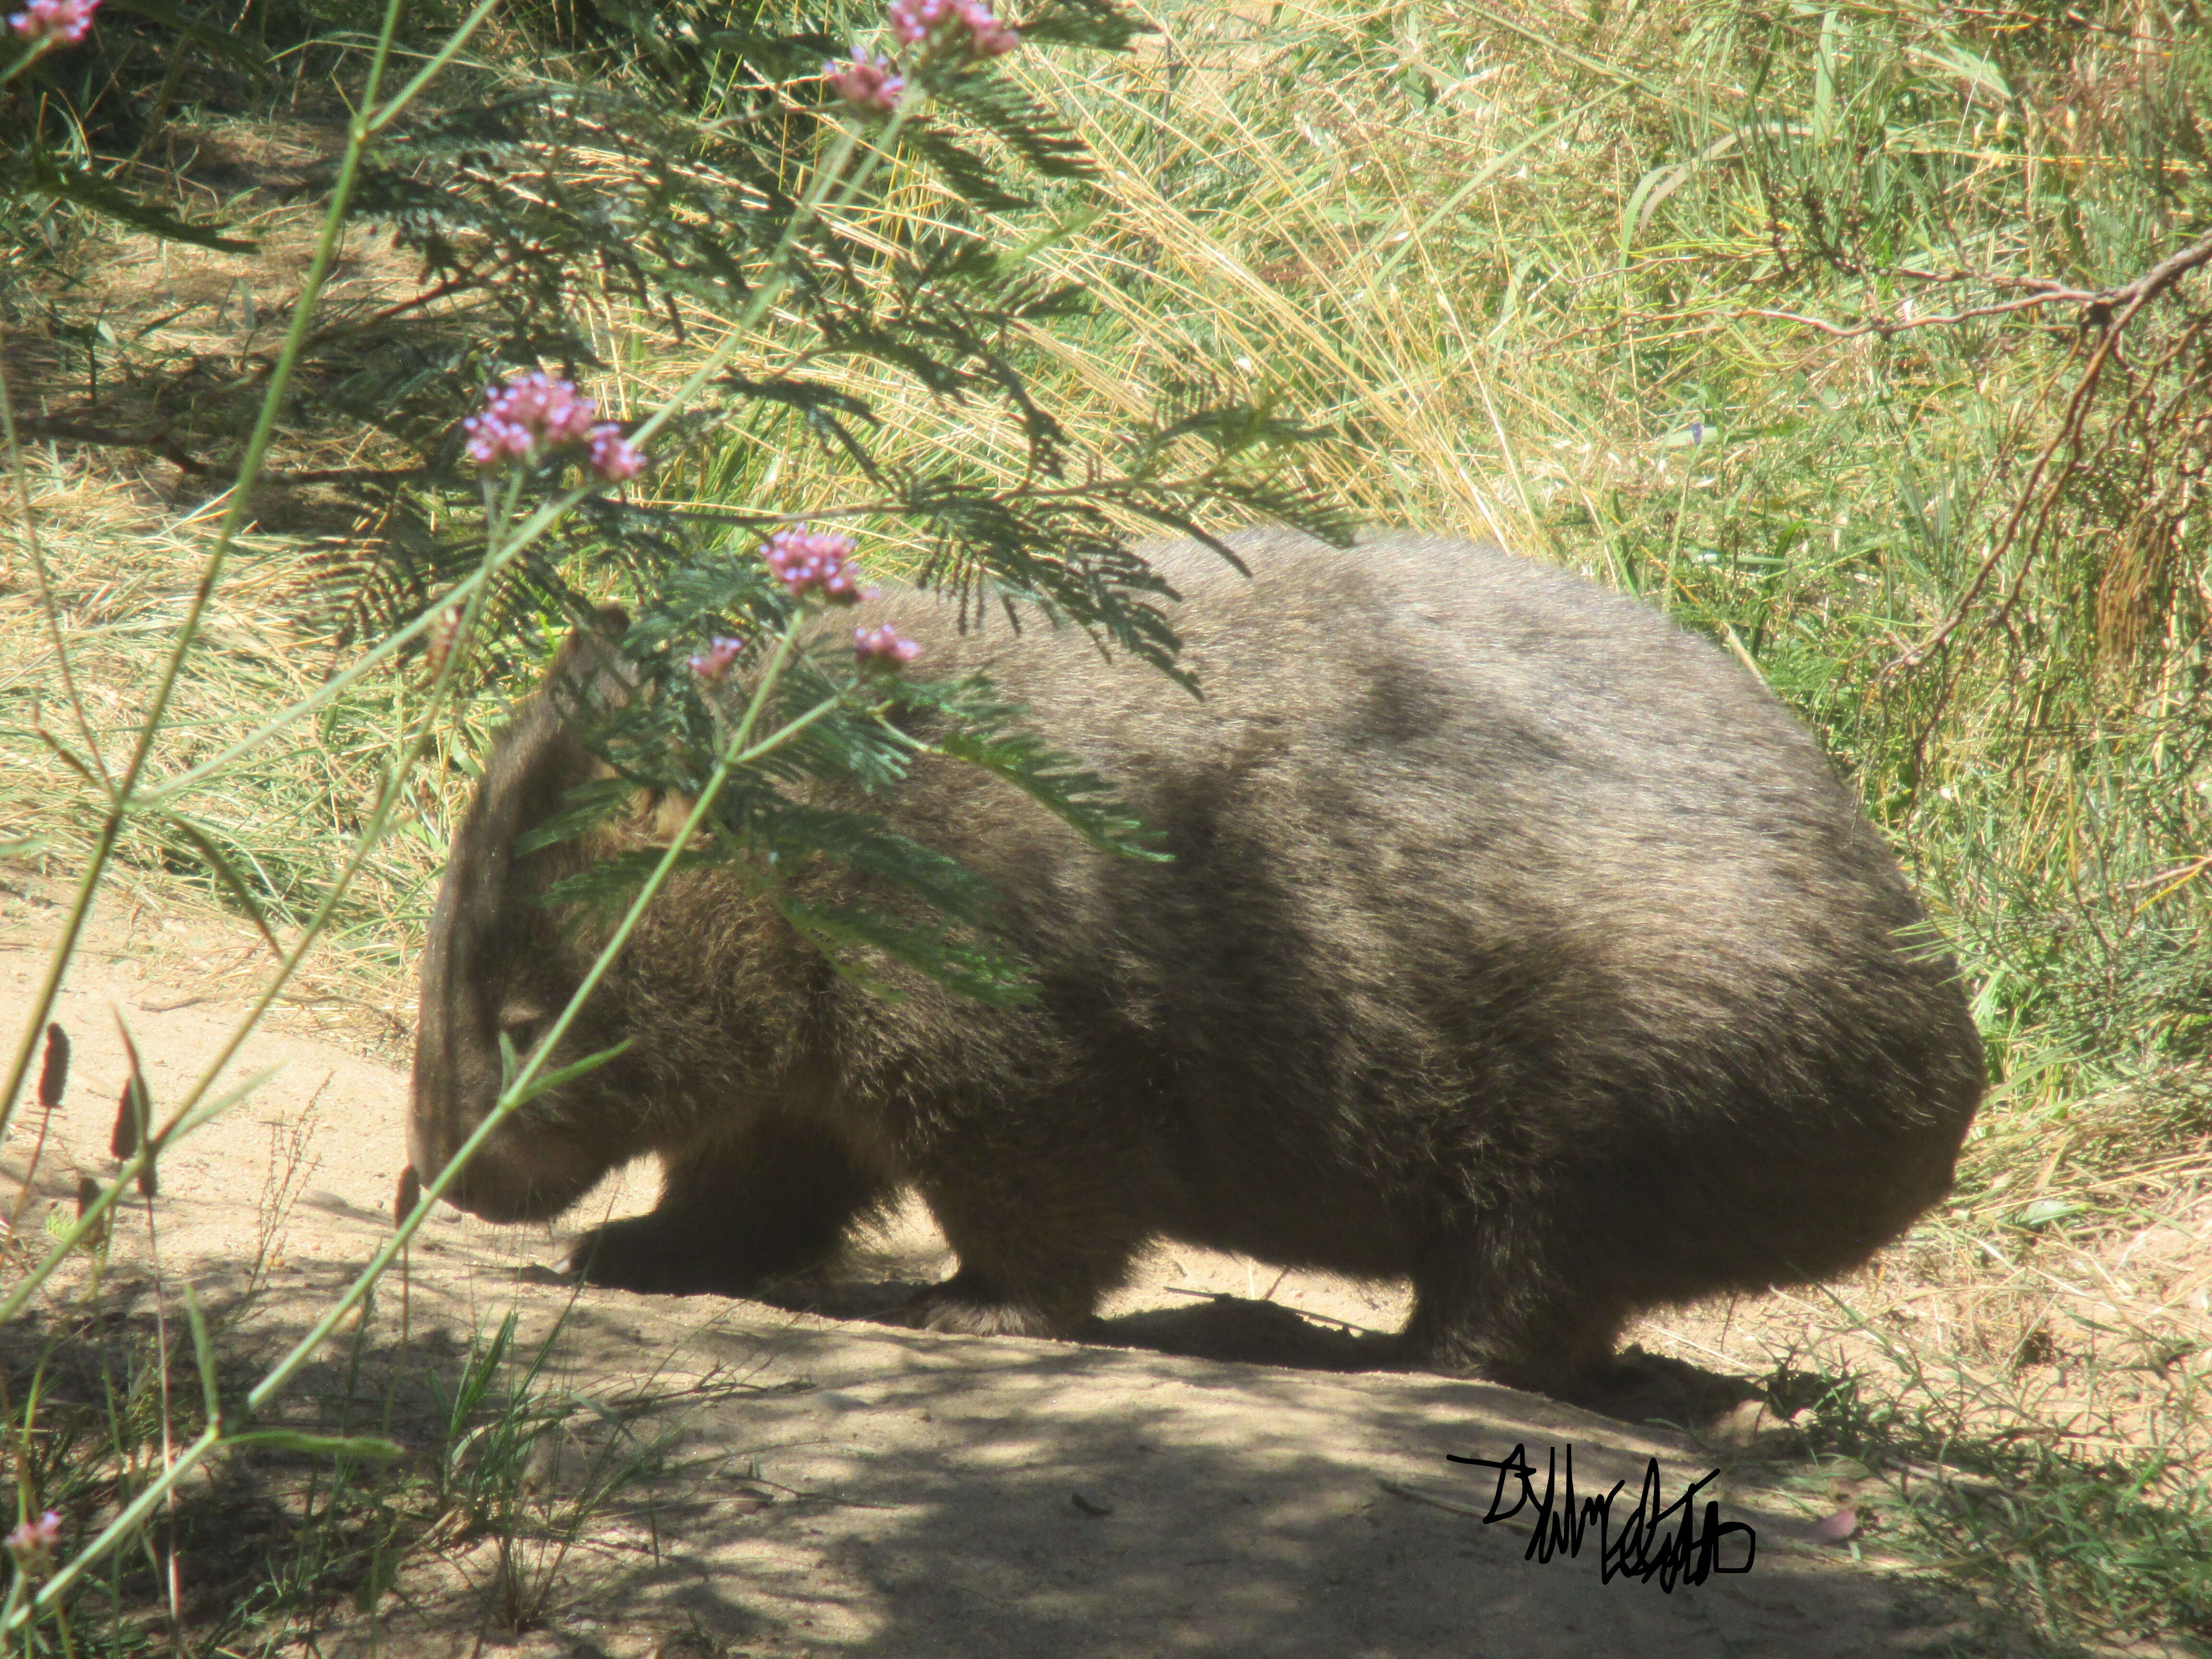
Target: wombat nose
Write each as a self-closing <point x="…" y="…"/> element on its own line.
<point x="426" y="1155"/>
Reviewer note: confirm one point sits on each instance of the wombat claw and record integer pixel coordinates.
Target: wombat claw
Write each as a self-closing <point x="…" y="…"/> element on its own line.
<point x="944" y="1308"/>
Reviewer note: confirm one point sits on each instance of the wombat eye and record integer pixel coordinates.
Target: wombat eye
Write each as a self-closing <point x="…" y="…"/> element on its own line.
<point x="522" y="1028"/>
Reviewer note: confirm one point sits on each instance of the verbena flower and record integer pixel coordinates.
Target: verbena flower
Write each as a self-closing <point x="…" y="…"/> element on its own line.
<point x="883" y="646"/>
<point x="64" y="21"/>
<point x="535" y="413"/>
<point x="967" y="26"/>
<point x="33" y="1542"/>
<point x="816" y="561"/>
<point x="612" y="456"/>
<point x="867" y="84"/>
<point x="530" y="412"/>
<point x="713" y="663"/>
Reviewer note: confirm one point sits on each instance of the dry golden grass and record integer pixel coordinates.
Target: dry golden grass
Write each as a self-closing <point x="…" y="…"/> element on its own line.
<point x="121" y="561"/>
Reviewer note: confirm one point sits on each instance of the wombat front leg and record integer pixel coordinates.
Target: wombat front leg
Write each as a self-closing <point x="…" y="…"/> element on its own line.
<point x="1029" y="1266"/>
<point x="1480" y="1311"/>
<point x="737" y="1214"/>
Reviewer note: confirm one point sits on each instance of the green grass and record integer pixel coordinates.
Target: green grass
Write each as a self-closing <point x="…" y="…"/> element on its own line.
<point x="2059" y="1547"/>
<point x="504" y="1464"/>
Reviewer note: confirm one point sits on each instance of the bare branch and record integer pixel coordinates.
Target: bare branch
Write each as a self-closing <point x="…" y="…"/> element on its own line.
<point x="1887" y="325"/>
<point x="161" y="443"/>
<point x="2109" y="311"/>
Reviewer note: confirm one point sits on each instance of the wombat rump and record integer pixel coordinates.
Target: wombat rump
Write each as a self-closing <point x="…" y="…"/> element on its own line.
<point x="1514" y="943"/>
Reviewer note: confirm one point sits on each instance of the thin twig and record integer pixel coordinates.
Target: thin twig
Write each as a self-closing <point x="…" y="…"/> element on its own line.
<point x="161" y="443"/>
<point x="2111" y="311"/>
<point x="1887" y="325"/>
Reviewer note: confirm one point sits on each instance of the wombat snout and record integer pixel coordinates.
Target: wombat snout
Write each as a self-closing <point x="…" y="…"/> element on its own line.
<point x="1513" y="942"/>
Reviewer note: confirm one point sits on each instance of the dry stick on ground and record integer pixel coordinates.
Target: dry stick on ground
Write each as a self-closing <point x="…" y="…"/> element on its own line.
<point x="162" y="444"/>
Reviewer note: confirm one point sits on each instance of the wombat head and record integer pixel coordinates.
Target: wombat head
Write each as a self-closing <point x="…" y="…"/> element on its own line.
<point x="499" y="966"/>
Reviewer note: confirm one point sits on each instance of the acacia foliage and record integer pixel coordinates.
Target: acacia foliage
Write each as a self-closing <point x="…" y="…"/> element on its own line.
<point x="692" y="170"/>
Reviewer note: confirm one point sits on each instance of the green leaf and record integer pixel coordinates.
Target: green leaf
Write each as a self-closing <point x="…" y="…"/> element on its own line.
<point x="967" y="174"/>
<point x="1019" y="121"/>
<point x="1978" y="73"/>
<point x="383" y="1564"/>
<point x="963" y="965"/>
<point x="319" y="1445"/>
<point x="612" y="882"/>
<point x="586" y="807"/>
<point x="205" y="849"/>
<point x="790" y="834"/>
<point x="87" y="189"/>
<point x="547" y="1081"/>
<point x="793" y="55"/>
<point x="203" y="1354"/>
<point x="1097" y="24"/>
<point x="208" y="1110"/>
<point x="983" y="734"/>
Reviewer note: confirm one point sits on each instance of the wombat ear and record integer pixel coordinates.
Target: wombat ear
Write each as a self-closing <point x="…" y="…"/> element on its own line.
<point x="590" y="669"/>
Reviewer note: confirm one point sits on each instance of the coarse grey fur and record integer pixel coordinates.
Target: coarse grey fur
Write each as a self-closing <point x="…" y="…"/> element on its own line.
<point x="1516" y="942"/>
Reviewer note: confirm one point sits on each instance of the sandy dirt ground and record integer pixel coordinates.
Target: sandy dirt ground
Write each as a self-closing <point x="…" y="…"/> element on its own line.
<point x="1227" y="1471"/>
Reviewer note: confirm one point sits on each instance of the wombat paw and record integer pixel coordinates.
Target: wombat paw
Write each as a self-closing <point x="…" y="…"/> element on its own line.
<point x="638" y="1255"/>
<point x="948" y="1307"/>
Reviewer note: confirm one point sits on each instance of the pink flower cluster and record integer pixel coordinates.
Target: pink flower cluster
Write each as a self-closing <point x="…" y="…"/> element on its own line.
<point x="713" y="665"/>
<point x="867" y="84"/>
<point x="62" y="21"/>
<point x="816" y="561"/>
<point x="967" y="26"/>
<point x="534" y="412"/>
<point x="883" y="646"/>
<point x="612" y="456"/>
<point x="33" y="1542"/>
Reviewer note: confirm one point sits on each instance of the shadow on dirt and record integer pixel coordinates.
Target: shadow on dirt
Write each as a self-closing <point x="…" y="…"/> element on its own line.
<point x="699" y="1476"/>
<point x="1641" y="1388"/>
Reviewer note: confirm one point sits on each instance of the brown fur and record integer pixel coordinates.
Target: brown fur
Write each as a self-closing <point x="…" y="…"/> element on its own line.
<point x="1516" y="943"/>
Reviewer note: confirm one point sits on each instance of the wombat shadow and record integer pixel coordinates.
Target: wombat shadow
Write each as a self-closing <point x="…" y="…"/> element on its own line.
<point x="1638" y="1387"/>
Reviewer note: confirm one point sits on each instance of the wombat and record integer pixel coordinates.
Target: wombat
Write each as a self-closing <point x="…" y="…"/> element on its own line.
<point x="1514" y="942"/>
